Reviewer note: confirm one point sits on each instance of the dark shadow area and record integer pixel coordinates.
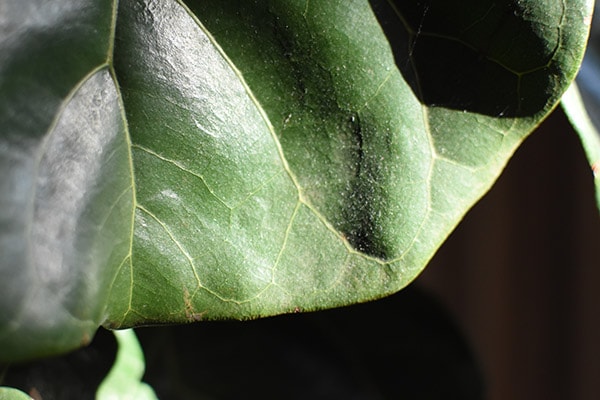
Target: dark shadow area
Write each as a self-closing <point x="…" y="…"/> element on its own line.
<point x="478" y="56"/>
<point x="74" y="376"/>
<point x="521" y="273"/>
<point x="401" y="347"/>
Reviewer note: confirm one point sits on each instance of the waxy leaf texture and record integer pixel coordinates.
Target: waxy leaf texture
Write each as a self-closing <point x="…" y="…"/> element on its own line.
<point x="176" y="161"/>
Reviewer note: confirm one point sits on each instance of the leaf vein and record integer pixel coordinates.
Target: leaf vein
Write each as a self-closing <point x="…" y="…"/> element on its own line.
<point x="171" y="235"/>
<point x="185" y="169"/>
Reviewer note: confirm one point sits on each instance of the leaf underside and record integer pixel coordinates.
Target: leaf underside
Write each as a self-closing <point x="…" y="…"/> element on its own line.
<point x="172" y="162"/>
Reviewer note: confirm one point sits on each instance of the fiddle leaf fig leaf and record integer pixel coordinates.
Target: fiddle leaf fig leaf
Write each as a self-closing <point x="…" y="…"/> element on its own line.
<point x="178" y="161"/>
<point x="66" y="184"/>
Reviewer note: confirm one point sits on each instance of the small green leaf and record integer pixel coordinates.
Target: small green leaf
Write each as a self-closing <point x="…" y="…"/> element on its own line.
<point x="588" y="132"/>
<point x="123" y="382"/>
<point x="7" y="393"/>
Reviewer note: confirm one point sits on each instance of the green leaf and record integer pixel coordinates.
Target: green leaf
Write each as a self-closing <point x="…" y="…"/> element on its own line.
<point x="124" y="379"/>
<point x="285" y="156"/>
<point x="7" y="393"/>
<point x="293" y="166"/>
<point x="66" y="186"/>
<point x="590" y="137"/>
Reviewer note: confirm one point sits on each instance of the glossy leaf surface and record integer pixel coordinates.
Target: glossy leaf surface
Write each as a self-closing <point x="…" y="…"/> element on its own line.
<point x="174" y="162"/>
<point x="66" y="185"/>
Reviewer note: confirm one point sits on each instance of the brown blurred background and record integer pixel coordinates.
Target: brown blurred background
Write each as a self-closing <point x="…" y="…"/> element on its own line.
<point x="521" y="273"/>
